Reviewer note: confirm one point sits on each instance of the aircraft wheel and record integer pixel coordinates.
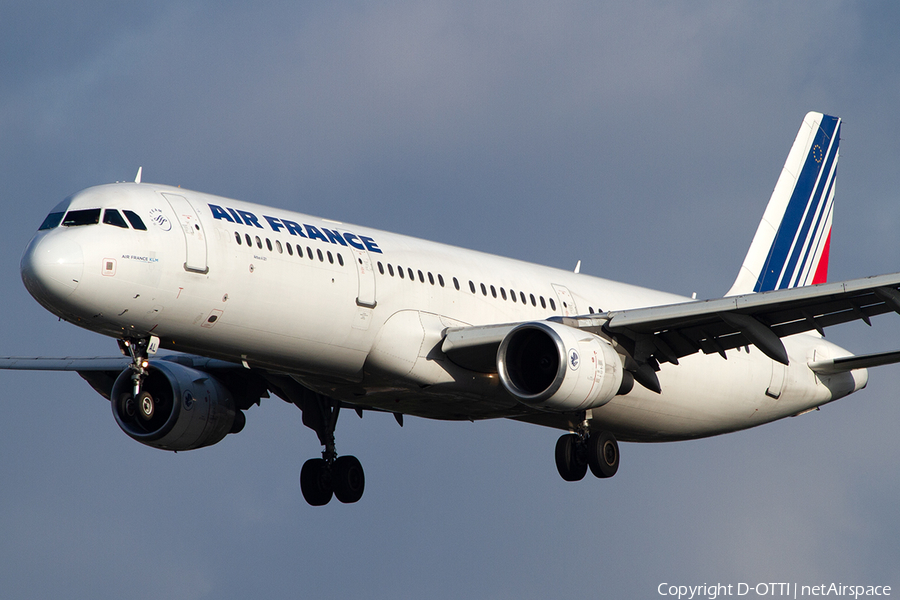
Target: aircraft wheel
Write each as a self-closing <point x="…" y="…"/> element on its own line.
<point x="348" y="479"/>
<point x="603" y="454"/>
<point x="146" y="406"/>
<point x="315" y="482"/>
<point x="567" y="461"/>
<point x="129" y="407"/>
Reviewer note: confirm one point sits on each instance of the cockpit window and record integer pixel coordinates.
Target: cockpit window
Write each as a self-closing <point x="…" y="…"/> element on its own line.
<point x="135" y="220"/>
<point x="74" y="218"/>
<point x="52" y="220"/>
<point x="112" y="217"/>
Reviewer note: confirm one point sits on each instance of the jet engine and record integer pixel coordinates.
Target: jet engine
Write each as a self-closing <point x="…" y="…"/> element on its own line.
<point x="179" y="408"/>
<point x="559" y="368"/>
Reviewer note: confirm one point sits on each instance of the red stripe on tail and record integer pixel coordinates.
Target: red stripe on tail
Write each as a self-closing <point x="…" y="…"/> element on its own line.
<point x="821" y="275"/>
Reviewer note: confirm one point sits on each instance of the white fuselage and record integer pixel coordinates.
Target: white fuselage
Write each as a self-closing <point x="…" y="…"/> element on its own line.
<point x="326" y="303"/>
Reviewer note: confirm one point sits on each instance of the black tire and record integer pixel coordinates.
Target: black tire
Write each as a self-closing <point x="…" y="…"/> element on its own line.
<point x="349" y="479"/>
<point x="567" y="461"/>
<point x="315" y="482"/>
<point x="603" y="454"/>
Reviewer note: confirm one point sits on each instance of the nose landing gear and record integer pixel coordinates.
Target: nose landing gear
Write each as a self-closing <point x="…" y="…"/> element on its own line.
<point x="139" y="349"/>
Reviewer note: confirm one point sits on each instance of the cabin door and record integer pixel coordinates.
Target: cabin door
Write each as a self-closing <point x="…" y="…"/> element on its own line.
<point x="194" y="237"/>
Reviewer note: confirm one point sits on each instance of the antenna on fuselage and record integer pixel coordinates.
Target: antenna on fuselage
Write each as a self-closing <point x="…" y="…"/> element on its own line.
<point x="578" y="267"/>
<point x="137" y="178"/>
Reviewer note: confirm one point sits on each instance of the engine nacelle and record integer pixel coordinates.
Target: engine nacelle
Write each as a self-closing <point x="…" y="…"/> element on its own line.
<point x="190" y="408"/>
<point x="558" y="368"/>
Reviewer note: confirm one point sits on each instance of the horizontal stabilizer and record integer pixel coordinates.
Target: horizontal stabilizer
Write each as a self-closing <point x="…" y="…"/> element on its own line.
<point x="842" y="365"/>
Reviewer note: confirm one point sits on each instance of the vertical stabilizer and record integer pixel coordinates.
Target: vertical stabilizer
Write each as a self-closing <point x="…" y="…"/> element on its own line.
<point x="791" y="245"/>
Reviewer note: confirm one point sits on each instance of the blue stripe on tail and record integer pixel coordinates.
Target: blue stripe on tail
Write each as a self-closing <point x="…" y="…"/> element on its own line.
<point x="808" y="205"/>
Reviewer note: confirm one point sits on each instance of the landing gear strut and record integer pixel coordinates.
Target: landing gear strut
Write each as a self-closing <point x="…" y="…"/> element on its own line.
<point x="575" y="452"/>
<point x="138" y="349"/>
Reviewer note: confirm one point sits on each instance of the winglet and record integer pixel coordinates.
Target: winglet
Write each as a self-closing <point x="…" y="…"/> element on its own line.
<point x="791" y="245"/>
<point x="137" y="178"/>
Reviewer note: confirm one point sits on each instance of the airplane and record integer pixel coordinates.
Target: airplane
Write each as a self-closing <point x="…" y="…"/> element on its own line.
<point x="251" y="301"/>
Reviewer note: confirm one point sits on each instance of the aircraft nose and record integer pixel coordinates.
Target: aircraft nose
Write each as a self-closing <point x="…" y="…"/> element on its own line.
<point x="52" y="266"/>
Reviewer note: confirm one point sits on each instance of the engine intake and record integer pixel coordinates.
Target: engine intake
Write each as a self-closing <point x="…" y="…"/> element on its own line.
<point x="558" y="368"/>
<point x="179" y="408"/>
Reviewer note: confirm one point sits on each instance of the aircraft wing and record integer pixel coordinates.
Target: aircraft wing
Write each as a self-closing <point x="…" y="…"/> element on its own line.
<point x="666" y="333"/>
<point x="102" y="363"/>
<point x="41" y="363"/>
<point x="101" y="371"/>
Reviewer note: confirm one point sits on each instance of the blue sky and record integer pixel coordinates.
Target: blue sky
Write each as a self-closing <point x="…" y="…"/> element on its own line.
<point x="643" y="140"/>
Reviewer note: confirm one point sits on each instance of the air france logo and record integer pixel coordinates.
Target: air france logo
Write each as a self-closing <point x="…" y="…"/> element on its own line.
<point x="160" y="220"/>
<point x="574" y="359"/>
<point x="310" y="232"/>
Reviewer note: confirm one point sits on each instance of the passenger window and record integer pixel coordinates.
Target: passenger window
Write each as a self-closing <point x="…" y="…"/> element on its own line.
<point x="258" y="242"/>
<point x="421" y="277"/>
<point x="76" y="218"/>
<point x="112" y="217"/>
<point x="53" y="220"/>
<point x="522" y="296"/>
<point x="472" y="286"/>
<point x="552" y="304"/>
<point x="456" y="283"/>
<point x="135" y="220"/>
<point x="503" y="293"/>
<point x="269" y="244"/>
<point x="249" y="241"/>
<point x="483" y="290"/>
<point x="412" y="277"/>
<point x="493" y="291"/>
<point x="319" y="254"/>
<point x="533" y="303"/>
<point x="512" y="295"/>
<point x="237" y="238"/>
<point x="290" y="249"/>
<point x="380" y="267"/>
<point x="330" y="258"/>
<point x="430" y="278"/>
<point x="400" y="272"/>
<point x="340" y="259"/>
<point x="543" y="304"/>
<point x="441" y="279"/>
<point x="390" y="269"/>
<point x="278" y="247"/>
<point x="309" y="252"/>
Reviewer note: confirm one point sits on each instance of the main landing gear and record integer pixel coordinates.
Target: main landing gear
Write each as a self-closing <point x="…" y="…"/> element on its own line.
<point x="575" y="452"/>
<point x="340" y="476"/>
<point x="331" y="475"/>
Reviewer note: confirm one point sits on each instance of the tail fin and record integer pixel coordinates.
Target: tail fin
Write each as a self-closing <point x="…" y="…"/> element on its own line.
<point x="791" y="245"/>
